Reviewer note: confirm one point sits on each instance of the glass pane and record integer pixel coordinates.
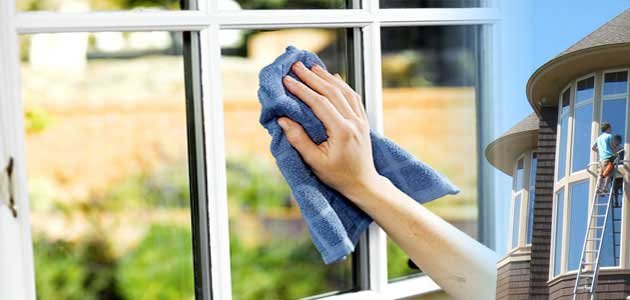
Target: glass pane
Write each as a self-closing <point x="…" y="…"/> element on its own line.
<point x="566" y="101"/>
<point x="429" y="3"/>
<point x="557" y="256"/>
<point x="616" y="83"/>
<point x="516" y="220"/>
<point x="582" y="137"/>
<point x="97" y="5"/>
<point x="430" y="76"/>
<point x="562" y="147"/>
<point x="532" y="196"/>
<point x="518" y="176"/>
<point x="108" y="171"/>
<point x="585" y="90"/>
<point x="614" y="112"/>
<point x="577" y="222"/>
<point x="270" y="243"/>
<point x="286" y="4"/>
<point x="612" y="236"/>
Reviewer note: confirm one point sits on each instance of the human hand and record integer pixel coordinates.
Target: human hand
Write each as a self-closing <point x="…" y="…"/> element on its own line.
<point x="344" y="161"/>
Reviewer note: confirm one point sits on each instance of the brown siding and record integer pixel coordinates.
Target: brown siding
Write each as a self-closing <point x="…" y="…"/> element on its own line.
<point x="541" y="238"/>
<point x="513" y="281"/>
<point x="615" y="287"/>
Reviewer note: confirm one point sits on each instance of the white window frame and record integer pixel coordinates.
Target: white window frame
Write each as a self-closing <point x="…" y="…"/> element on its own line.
<point x="574" y="106"/>
<point x="531" y="192"/>
<point x="207" y="21"/>
<point x="516" y="192"/>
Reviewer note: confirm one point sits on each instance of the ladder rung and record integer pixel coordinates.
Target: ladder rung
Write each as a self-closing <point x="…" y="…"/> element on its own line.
<point x="584" y="287"/>
<point x="597" y="216"/>
<point x="590" y="251"/>
<point x="600" y="204"/>
<point x="594" y="239"/>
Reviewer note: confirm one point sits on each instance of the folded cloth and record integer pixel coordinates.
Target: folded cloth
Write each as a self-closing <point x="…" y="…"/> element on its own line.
<point x="335" y="223"/>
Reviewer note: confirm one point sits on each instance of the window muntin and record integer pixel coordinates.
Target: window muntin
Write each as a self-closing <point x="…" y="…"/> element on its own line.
<point x="531" y="197"/>
<point x="558" y="238"/>
<point x="582" y="121"/>
<point x="429" y="3"/>
<point x="565" y="102"/>
<point x="429" y="72"/>
<point x="284" y="4"/>
<point x="516" y="220"/>
<point x="268" y="236"/>
<point x="108" y="172"/>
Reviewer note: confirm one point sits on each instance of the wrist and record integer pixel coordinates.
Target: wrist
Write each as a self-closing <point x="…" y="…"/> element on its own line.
<point x="367" y="188"/>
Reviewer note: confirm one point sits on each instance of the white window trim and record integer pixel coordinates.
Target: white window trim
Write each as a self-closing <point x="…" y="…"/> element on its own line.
<point x="531" y="190"/>
<point x="208" y="21"/>
<point x="515" y="193"/>
<point x="574" y="106"/>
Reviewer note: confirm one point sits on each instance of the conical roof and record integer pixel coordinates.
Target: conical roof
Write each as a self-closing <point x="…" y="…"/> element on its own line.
<point x="614" y="31"/>
<point x="503" y="152"/>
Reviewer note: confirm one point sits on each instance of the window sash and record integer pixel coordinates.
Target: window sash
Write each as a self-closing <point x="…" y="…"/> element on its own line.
<point x="204" y="25"/>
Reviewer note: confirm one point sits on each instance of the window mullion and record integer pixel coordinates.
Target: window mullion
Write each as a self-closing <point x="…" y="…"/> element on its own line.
<point x="210" y="53"/>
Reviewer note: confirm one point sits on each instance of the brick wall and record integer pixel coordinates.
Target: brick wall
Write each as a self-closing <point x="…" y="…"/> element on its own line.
<point x="513" y="281"/>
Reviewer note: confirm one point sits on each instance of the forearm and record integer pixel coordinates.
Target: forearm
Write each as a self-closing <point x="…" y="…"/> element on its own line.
<point x="463" y="267"/>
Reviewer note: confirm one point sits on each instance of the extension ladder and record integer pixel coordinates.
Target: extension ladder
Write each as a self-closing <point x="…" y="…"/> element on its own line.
<point x="586" y="279"/>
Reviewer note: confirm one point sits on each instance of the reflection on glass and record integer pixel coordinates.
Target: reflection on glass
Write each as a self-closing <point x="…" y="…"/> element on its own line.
<point x="272" y="254"/>
<point x="578" y="217"/>
<point x="564" y="129"/>
<point x="97" y="5"/>
<point x="532" y="196"/>
<point x="429" y="3"/>
<point x="614" y="112"/>
<point x="285" y="4"/>
<point x="610" y="253"/>
<point x="430" y="77"/>
<point x="107" y="164"/>
<point x="616" y="83"/>
<point x="581" y="147"/>
<point x="585" y="90"/>
<point x="518" y="176"/>
<point x="559" y="217"/>
<point x="516" y="220"/>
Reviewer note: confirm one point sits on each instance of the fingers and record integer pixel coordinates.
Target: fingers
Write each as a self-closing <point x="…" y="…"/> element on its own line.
<point x="323" y="109"/>
<point x="298" y="138"/>
<point x="324" y="88"/>
<point x="353" y="98"/>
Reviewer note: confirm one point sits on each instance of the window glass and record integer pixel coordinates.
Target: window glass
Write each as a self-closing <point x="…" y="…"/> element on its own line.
<point x="272" y="255"/>
<point x="616" y="83"/>
<point x="108" y="171"/>
<point x="285" y="4"/>
<point x="559" y="217"/>
<point x="532" y="196"/>
<point x="565" y="101"/>
<point x="429" y="3"/>
<point x="585" y="90"/>
<point x="516" y="220"/>
<point x="614" y="112"/>
<point x="430" y="76"/>
<point x="578" y="218"/>
<point x="581" y="147"/>
<point x="562" y="145"/>
<point x="97" y="5"/>
<point x="612" y="236"/>
<point x="518" y="176"/>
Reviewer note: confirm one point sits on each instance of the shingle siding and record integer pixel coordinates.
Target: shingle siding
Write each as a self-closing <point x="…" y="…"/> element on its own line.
<point x="513" y="281"/>
<point x="611" y="286"/>
<point x="543" y="203"/>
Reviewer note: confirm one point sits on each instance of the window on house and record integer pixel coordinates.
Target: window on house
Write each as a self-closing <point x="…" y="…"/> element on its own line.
<point x="582" y="121"/>
<point x="268" y="237"/>
<point x="516" y="220"/>
<point x="532" y="196"/>
<point x="108" y="163"/>
<point x="517" y="196"/>
<point x="578" y="218"/>
<point x="614" y="101"/>
<point x="558" y="238"/>
<point x="564" y="109"/>
<point x="429" y="72"/>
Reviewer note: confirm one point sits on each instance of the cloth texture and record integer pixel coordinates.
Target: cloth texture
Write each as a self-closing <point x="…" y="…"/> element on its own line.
<point x="604" y="146"/>
<point x="334" y="222"/>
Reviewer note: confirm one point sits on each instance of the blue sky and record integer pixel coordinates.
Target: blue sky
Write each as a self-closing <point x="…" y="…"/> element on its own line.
<point x="533" y="32"/>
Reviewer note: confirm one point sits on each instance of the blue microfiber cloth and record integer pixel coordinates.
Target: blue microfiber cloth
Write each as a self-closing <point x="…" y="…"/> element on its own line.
<point x="334" y="222"/>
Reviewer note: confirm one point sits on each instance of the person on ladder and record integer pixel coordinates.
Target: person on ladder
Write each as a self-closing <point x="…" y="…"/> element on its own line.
<point x="606" y="148"/>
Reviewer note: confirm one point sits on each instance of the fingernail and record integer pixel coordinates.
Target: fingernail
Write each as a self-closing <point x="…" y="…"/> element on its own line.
<point x="318" y="68"/>
<point x="288" y="80"/>
<point x="283" y="123"/>
<point x="298" y="65"/>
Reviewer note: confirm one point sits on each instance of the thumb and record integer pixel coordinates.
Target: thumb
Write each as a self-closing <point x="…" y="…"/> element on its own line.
<point x="298" y="138"/>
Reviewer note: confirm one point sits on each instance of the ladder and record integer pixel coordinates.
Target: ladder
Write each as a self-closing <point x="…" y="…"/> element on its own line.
<point x="586" y="279"/>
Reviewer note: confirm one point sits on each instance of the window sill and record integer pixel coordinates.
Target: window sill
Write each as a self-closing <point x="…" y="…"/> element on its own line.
<point x="417" y="286"/>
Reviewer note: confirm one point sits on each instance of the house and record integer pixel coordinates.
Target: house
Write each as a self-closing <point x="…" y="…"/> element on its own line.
<point x="548" y="155"/>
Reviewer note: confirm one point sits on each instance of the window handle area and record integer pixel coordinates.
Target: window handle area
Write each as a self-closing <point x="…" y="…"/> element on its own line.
<point x="7" y="195"/>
